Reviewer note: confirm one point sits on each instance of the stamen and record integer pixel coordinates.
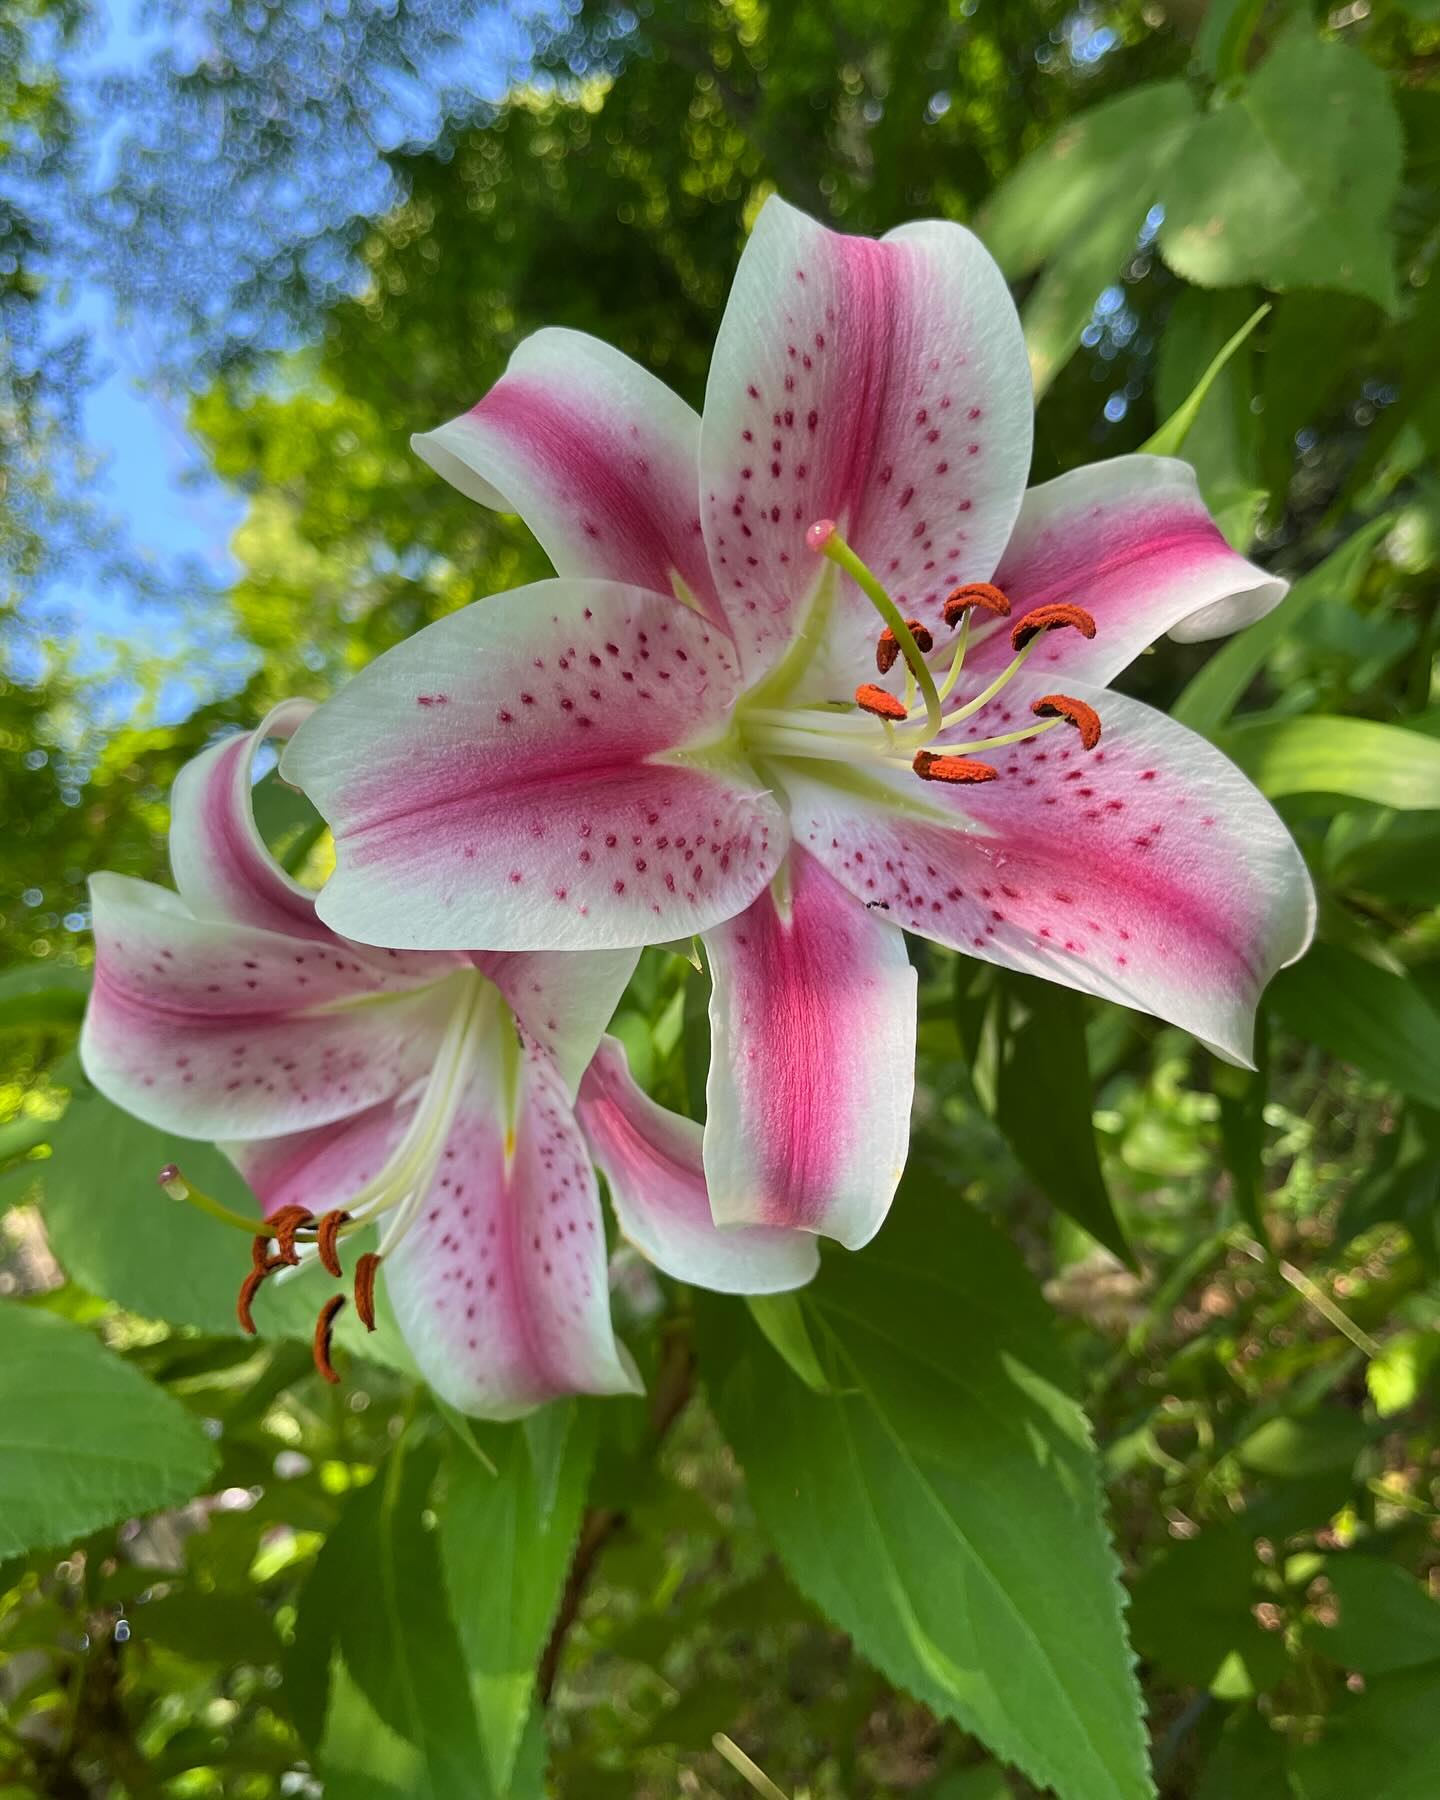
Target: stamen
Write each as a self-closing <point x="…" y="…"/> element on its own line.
<point x="366" y="1268"/>
<point x="283" y="1225"/>
<point x="324" y="1331"/>
<point x="1051" y="618"/>
<point x="958" y="769"/>
<point x="887" y="645"/>
<point x="326" y="1233"/>
<point x="974" y="593"/>
<point x="1084" y="718"/>
<point x="261" y="1264"/>
<point x="872" y="699"/>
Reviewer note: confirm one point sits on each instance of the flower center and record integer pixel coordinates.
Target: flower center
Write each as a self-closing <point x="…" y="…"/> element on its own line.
<point x="923" y="730"/>
<point x="295" y="1238"/>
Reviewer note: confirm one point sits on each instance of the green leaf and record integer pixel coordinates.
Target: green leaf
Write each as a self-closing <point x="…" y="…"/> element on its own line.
<point x="1354" y="757"/>
<point x="1190" y="1612"/>
<point x="1365" y="1015"/>
<point x="1329" y="1438"/>
<point x="42" y="996"/>
<point x="1077" y="204"/>
<point x="376" y="1604"/>
<point x="782" y="1319"/>
<point x="1248" y="1762"/>
<point x="1379" y="1744"/>
<point x="85" y="1440"/>
<point x="1211" y="422"/>
<point x="931" y="1502"/>
<point x="1213" y="694"/>
<point x="1385" y="1621"/>
<point x="1292" y="183"/>
<point x="506" y="1541"/>
<point x="1043" y="1104"/>
<point x="1396" y="1378"/>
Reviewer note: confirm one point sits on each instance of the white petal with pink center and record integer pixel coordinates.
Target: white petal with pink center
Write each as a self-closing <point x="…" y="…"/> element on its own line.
<point x="1130" y="541"/>
<point x="812" y="1060"/>
<point x="1148" y="870"/>
<point x="580" y="795"/>
<point x="653" y="1163"/>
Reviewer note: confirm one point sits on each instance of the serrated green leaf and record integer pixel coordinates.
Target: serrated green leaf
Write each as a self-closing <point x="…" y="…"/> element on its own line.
<point x="506" y="1542"/>
<point x="1358" y="758"/>
<point x="85" y="1440"/>
<point x="1365" y="1015"/>
<point x="929" y="1503"/>
<point x="1291" y="184"/>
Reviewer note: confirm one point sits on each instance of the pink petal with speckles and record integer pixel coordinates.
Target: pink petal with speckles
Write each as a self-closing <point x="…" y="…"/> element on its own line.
<point x="1148" y="871"/>
<point x="321" y="1168"/>
<point x="213" y="1029"/>
<point x="652" y="1161"/>
<point x="884" y="385"/>
<point x="222" y="865"/>
<point x="1130" y="541"/>
<point x="598" y="457"/>
<point x="560" y="1001"/>
<point x="812" y="1061"/>
<point x="500" y="1285"/>
<point x="541" y="771"/>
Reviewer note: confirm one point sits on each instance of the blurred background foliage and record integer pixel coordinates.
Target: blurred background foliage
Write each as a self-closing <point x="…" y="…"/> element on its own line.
<point x="331" y="221"/>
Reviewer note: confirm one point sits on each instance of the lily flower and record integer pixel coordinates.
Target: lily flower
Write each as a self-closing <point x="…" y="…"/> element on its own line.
<point x="428" y="1095"/>
<point x="814" y="668"/>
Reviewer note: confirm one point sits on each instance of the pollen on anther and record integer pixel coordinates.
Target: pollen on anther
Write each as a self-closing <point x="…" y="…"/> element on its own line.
<point x="887" y="645"/>
<point x="326" y="1234"/>
<point x="366" y="1268"/>
<point x="974" y="593"/>
<point x="962" y="770"/>
<point x="324" y="1330"/>
<point x="1051" y="618"/>
<point x="1084" y="718"/>
<point x="875" y="700"/>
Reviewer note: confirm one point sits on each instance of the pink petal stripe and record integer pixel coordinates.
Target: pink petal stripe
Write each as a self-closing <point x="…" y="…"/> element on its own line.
<point x="812" y="1062"/>
<point x="219" y="1030"/>
<point x="500" y="1286"/>
<point x="884" y="385"/>
<point x="1148" y="871"/>
<point x="598" y="457"/>
<point x="1130" y="541"/>
<point x="222" y="866"/>
<point x="527" y="775"/>
<point x="652" y="1162"/>
<point x="320" y="1168"/>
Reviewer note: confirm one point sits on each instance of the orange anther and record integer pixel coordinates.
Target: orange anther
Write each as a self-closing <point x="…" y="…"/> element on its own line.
<point x="959" y="769"/>
<point x="284" y="1224"/>
<point x="249" y="1287"/>
<point x="326" y="1233"/>
<point x="324" y="1330"/>
<point x="872" y="699"/>
<point x="1051" y="618"/>
<point x="1084" y="718"/>
<point x="887" y="645"/>
<point x="366" y="1268"/>
<point x="975" y="593"/>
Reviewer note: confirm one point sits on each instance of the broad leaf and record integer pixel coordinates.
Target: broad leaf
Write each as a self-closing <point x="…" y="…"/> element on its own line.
<point x="42" y="997"/>
<point x="1291" y="184"/>
<point x="1364" y="1015"/>
<point x="1356" y="757"/>
<point x="1191" y="1614"/>
<point x="505" y="1543"/>
<point x="85" y="1440"/>
<point x="1384" y="1619"/>
<point x="1379" y="1744"/>
<point x="943" y="1504"/>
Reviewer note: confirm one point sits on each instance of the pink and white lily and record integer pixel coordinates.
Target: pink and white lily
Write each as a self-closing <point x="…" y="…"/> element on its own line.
<point x="703" y="726"/>
<point x="430" y="1095"/>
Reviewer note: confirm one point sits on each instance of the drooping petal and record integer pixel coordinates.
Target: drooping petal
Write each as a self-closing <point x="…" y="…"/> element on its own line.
<point x="529" y="774"/>
<point x="500" y="1285"/>
<point x="1148" y="871"/>
<point x="884" y="385"/>
<point x="561" y="1001"/>
<point x="652" y="1162"/>
<point x="1129" y="540"/>
<point x="213" y="1029"/>
<point x="599" y="458"/>
<point x="812" y="1061"/>
<point x="222" y="866"/>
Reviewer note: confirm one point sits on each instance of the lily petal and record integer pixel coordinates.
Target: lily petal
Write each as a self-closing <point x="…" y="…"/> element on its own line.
<point x="213" y="1029"/>
<point x="222" y="865"/>
<point x="561" y="1001"/>
<point x="1148" y="871"/>
<point x="653" y="1164"/>
<point x="598" y="458"/>
<point x="500" y="1286"/>
<point x="884" y="385"/>
<point x="320" y="1168"/>
<point x="812" y="1061"/>
<point x="1129" y="540"/>
<point x="532" y="774"/>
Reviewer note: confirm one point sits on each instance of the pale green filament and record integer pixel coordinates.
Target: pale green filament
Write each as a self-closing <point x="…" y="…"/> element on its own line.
<point x="917" y="671"/>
